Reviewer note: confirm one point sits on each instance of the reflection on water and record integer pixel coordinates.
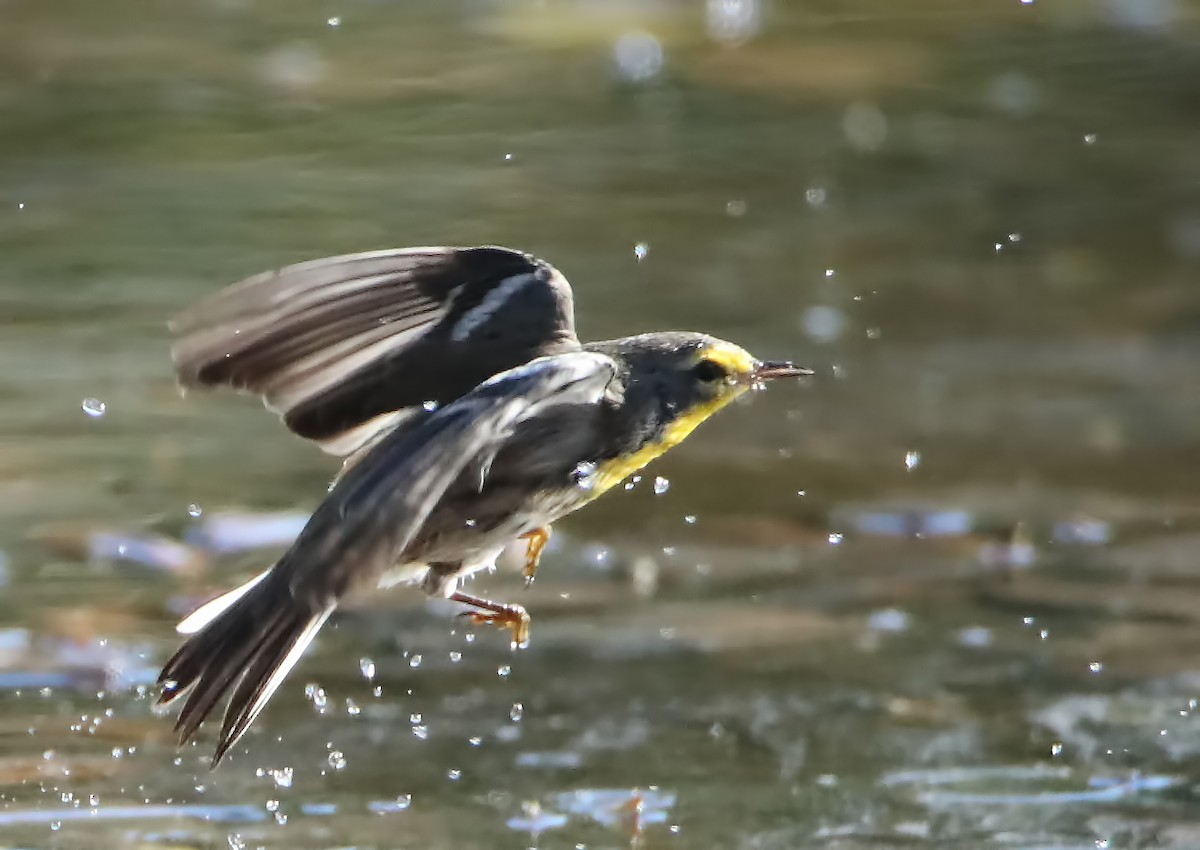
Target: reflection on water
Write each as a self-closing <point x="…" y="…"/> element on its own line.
<point x="941" y="596"/>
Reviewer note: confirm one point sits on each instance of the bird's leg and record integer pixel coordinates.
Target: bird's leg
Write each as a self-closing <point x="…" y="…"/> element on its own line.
<point x="538" y="538"/>
<point x="512" y="617"/>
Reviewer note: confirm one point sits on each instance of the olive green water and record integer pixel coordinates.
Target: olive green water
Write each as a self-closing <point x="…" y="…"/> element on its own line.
<point x="945" y="594"/>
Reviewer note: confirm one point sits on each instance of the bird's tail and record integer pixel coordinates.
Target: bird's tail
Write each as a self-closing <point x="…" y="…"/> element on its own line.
<point x="241" y="645"/>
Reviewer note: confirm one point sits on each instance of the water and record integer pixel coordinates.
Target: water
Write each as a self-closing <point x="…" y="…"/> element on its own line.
<point x="999" y="648"/>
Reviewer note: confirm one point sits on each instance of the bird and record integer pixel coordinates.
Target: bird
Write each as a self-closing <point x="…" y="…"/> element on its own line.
<point x="468" y="415"/>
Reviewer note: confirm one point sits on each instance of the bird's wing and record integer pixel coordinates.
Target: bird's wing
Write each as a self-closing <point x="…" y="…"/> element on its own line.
<point x="344" y="348"/>
<point x="378" y="507"/>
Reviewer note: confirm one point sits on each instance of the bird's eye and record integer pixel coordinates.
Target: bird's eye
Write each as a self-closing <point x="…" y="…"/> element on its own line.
<point x="708" y="371"/>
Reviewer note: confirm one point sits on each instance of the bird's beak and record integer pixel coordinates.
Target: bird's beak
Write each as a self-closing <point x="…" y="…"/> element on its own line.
<point x="769" y="370"/>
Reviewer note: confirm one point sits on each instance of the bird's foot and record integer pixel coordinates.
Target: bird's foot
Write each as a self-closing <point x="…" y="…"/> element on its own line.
<point x="512" y="617"/>
<point x="538" y="538"/>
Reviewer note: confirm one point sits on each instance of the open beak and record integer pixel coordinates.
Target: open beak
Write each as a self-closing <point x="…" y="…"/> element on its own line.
<point x="769" y="370"/>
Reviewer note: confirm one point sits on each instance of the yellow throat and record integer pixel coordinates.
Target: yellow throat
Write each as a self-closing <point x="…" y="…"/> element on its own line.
<point x="736" y="361"/>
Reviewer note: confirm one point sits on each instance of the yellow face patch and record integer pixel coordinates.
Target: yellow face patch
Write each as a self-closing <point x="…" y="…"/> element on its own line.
<point x="737" y="362"/>
<point x="733" y="359"/>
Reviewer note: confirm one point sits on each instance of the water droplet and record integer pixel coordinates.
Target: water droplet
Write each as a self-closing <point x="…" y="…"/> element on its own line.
<point x="874" y="333"/>
<point x="823" y="323"/>
<point x="508" y="157"/>
<point x="1096" y="667"/>
<point x="94" y="407"/>
<point x="337" y="760"/>
<point x="282" y="776"/>
<point x="1090" y="138"/>
<point x="503" y="670"/>
<point x="292" y="68"/>
<point x="352" y="707"/>
<point x="734" y="21"/>
<point x="690" y="519"/>
<point x="835" y="538"/>
<point x="21" y="206"/>
<point x="865" y="126"/>
<point x="272" y="805"/>
<point x="975" y="637"/>
<point x="735" y="209"/>
<point x="640" y="250"/>
<point x="998" y="247"/>
<point x="55" y="825"/>
<point x="334" y="21"/>
<point x="638" y="56"/>
<point x="415" y="661"/>
<point x="584" y="475"/>
<point x="195" y="510"/>
<point x="633" y="482"/>
<point x="317" y="694"/>
<point x="430" y="405"/>
<point x="1044" y="634"/>
<point x="1056" y="749"/>
<point x="516" y="712"/>
<point x="891" y="620"/>
<point x="454" y="774"/>
<point x="420" y="731"/>
<point x="814" y="196"/>
<point x="912" y="460"/>
<point x="455" y="656"/>
<point x="1014" y="237"/>
<point x="475" y="741"/>
<point x="661" y="485"/>
<point x="366" y="666"/>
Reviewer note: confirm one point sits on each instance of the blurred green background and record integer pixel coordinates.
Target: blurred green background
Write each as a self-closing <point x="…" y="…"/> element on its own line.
<point x="944" y="594"/>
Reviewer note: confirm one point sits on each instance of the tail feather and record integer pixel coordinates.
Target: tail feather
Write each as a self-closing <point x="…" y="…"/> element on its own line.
<point x="262" y="680"/>
<point x="246" y="649"/>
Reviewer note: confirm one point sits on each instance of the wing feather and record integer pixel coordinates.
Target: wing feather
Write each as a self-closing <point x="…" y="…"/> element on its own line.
<point x="381" y="502"/>
<point x="335" y="344"/>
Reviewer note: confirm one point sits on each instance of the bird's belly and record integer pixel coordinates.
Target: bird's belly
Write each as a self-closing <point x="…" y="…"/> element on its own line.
<point x="475" y="544"/>
<point x="409" y="572"/>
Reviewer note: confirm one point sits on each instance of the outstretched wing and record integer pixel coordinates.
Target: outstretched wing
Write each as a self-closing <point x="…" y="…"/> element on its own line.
<point x="344" y="348"/>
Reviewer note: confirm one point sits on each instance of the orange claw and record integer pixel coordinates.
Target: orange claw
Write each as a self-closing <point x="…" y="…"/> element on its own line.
<point x="538" y="538"/>
<point x="512" y="617"/>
